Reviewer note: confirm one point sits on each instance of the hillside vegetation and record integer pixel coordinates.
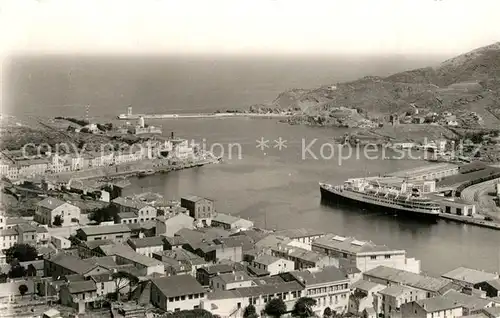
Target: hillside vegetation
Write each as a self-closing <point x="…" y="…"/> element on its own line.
<point x="469" y="82"/>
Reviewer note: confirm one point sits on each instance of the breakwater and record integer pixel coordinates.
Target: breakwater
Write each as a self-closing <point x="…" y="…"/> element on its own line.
<point x="201" y="115"/>
<point x="470" y="220"/>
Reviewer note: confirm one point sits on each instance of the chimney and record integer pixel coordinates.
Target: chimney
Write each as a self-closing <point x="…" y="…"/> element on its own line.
<point x="172" y="135"/>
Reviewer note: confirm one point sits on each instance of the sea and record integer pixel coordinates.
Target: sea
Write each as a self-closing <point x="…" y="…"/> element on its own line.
<point x="271" y="170"/>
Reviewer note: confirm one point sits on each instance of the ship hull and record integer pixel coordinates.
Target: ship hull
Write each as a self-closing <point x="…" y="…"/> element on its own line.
<point x="333" y="198"/>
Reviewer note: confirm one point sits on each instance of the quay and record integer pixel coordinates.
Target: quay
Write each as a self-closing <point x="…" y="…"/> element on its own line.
<point x="131" y="116"/>
<point x="470" y="220"/>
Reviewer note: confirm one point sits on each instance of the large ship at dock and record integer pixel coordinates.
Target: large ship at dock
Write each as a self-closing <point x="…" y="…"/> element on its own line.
<point x="401" y="200"/>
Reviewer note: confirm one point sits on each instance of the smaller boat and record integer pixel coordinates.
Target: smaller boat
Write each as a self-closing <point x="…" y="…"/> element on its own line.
<point x="146" y="173"/>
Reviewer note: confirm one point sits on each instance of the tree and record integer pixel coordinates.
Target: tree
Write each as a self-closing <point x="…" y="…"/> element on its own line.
<point x="275" y="308"/>
<point x="327" y="313"/>
<point x="17" y="271"/>
<point x="250" y="312"/>
<point x="58" y="220"/>
<point x="195" y="313"/>
<point x="303" y="307"/>
<point x="108" y="213"/>
<point x="23" y="289"/>
<point x="123" y="279"/>
<point x="3" y="278"/>
<point x="21" y="253"/>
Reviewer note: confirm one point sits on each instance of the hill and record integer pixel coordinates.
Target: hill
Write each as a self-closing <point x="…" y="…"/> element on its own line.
<point x="468" y="83"/>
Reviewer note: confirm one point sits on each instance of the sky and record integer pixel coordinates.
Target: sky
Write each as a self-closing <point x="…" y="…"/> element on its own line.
<point x="247" y="26"/>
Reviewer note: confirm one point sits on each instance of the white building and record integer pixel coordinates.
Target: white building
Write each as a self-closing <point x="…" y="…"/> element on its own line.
<point x="437" y="307"/>
<point x="176" y="293"/>
<point x="49" y="208"/>
<point x="168" y="226"/>
<point x="273" y="265"/>
<point x="229" y="222"/>
<point x="60" y="242"/>
<point x="363" y="295"/>
<point x="389" y="300"/>
<point x="228" y="281"/>
<point x="147" y="245"/>
<point x="366" y="255"/>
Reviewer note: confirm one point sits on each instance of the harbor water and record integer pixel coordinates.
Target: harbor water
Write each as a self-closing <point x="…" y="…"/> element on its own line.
<point x="275" y="188"/>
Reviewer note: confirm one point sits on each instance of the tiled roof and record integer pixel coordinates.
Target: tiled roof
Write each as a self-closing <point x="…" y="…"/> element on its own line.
<point x="127" y="215"/>
<point x="396" y="290"/>
<point x="180" y="285"/>
<point x="138" y="258"/>
<point x="470" y="275"/>
<point x="50" y="203"/>
<point x="233" y="277"/>
<point x="146" y="242"/>
<point x="364" y="285"/>
<point x="72" y="263"/>
<point x="408" y="278"/>
<point x="182" y="255"/>
<point x="129" y="202"/>
<point x="8" y="232"/>
<point x="106" y="229"/>
<point x="227" y="219"/>
<point x="437" y="304"/>
<point x="99" y="278"/>
<point x="266" y="259"/>
<point x="468" y="301"/>
<point x="26" y="228"/>
<point x="327" y="274"/>
<point x="81" y="286"/>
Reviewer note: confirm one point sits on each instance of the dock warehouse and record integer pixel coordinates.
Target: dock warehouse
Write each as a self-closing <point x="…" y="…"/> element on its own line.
<point x="431" y="172"/>
<point x="455" y="206"/>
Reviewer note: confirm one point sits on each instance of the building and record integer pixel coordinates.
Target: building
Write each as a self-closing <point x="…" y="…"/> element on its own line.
<point x="199" y="208"/>
<point x="302" y="258"/>
<point x="469" y="277"/>
<point x="430" y="172"/>
<point x="455" y="206"/>
<point x="168" y="226"/>
<point x="491" y="287"/>
<point x="388" y="301"/>
<point x="228" y="281"/>
<point x="205" y="274"/>
<point x="432" y="307"/>
<point x="27" y="234"/>
<point x="306" y="236"/>
<point x="79" y="294"/>
<point x="174" y="243"/>
<point x="126" y="205"/>
<point x="363" y="296"/>
<point x="144" y="265"/>
<point x="105" y="284"/>
<point x="329" y="286"/>
<point x="116" y="232"/>
<point x="229" y="222"/>
<point x="60" y="242"/>
<point x="8" y="238"/>
<point x="48" y="209"/>
<point x="364" y="254"/>
<point x="176" y="293"/>
<point x="214" y="252"/>
<point x="147" y="245"/>
<point x="65" y="264"/>
<point x="190" y="261"/>
<point x="273" y="265"/>
<point x="391" y="276"/>
<point x="471" y="304"/>
<point x="232" y="303"/>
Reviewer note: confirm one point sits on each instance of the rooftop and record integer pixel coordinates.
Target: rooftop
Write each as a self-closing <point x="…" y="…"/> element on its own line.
<point x="81" y="286"/>
<point x="138" y="258"/>
<point x="468" y="301"/>
<point x="72" y="263"/>
<point x="408" y="278"/>
<point x="106" y="229"/>
<point x="228" y="219"/>
<point x="298" y="233"/>
<point x="350" y="245"/>
<point x="50" y="203"/>
<point x="223" y="268"/>
<point x="234" y="277"/>
<point x="364" y="285"/>
<point x="423" y="170"/>
<point x="470" y="275"/>
<point x="194" y="198"/>
<point x="173" y="286"/>
<point x="437" y="304"/>
<point x="182" y="255"/>
<point x="175" y="241"/>
<point x="259" y="290"/>
<point x="327" y="274"/>
<point x="266" y="259"/>
<point x="396" y="290"/>
<point x="127" y="215"/>
<point x="129" y="202"/>
<point x="146" y="242"/>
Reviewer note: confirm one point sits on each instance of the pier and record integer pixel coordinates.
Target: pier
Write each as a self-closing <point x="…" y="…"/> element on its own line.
<point x="131" y="116"/>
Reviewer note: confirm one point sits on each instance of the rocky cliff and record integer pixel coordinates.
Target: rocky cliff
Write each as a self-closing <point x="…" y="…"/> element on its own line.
<point x="466" y="83"/>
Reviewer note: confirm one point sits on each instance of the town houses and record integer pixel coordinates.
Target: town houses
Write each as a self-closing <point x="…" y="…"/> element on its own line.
<point x="184" y="255"/>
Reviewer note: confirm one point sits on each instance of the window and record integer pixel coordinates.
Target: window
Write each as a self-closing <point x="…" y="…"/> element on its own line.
<point x="373" y="257"/>
<point x="387" y="256"/>
<point x="191" y="296"/>
<point x="183" y="297"/>
<point x="171" y="299"/>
